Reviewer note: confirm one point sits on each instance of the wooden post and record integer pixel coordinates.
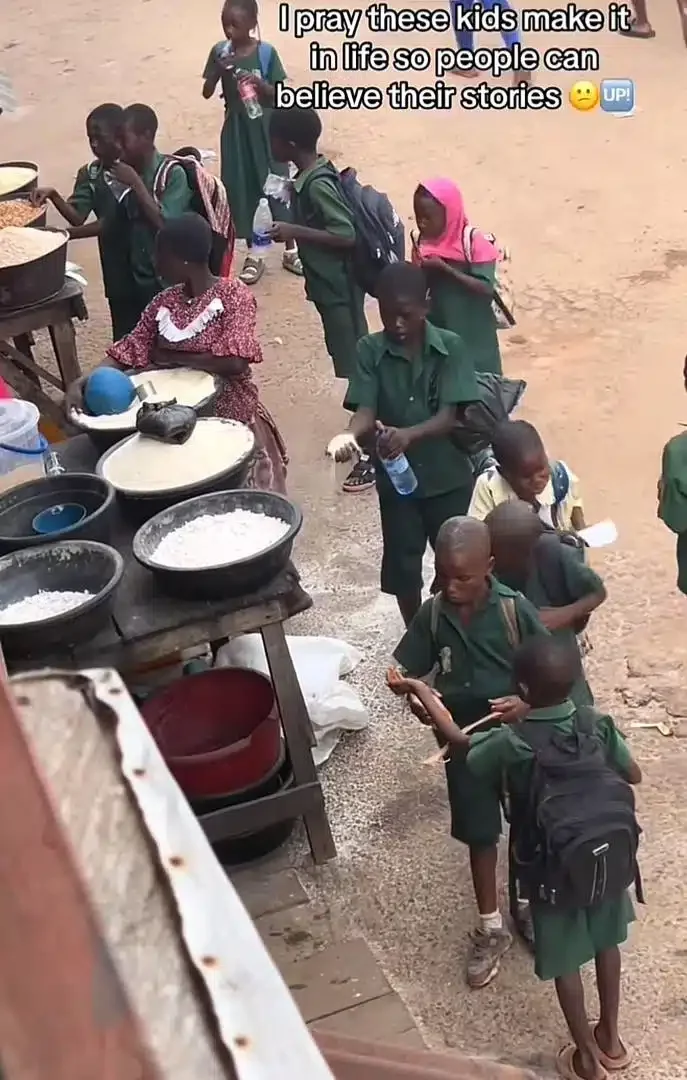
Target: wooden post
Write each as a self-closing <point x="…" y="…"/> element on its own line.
<point x="63" y="1012"/>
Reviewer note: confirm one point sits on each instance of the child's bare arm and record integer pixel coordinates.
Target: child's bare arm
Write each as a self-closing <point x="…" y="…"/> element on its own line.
<point x="437" y="712"/>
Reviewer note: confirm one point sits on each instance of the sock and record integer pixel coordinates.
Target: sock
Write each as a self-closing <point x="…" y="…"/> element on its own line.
<point x="489" y="923"/>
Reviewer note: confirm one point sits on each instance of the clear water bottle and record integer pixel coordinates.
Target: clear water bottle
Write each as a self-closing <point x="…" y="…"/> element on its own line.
<point x="262" y="225"/>
<point x="400" y="472"/>
<point x="249" y="97"/>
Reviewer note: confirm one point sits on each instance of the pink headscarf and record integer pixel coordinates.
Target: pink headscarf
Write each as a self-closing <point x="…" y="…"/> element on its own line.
<point x="451" y="244"/>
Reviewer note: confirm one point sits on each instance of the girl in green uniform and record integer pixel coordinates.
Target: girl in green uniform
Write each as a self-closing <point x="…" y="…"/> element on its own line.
<point x="460" y="263"/>
<point x="245" y="145"/>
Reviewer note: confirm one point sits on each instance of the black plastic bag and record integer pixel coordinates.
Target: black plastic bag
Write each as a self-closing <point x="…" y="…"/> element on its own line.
<point x="498" y="397"/>
<point x="166" y="421"/>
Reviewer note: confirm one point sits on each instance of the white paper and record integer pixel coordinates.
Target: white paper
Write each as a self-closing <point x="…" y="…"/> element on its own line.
<point x="600" y="535"/>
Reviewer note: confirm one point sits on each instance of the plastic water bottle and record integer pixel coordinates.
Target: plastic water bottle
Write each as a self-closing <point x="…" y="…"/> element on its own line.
<point x="249" y="97"/>
<point x="400" y="472"/>
<point x="262" y="225"/>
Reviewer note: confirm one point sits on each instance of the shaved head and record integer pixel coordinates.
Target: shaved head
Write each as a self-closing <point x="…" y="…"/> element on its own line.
<point x="546" y="669"/>
<point x="514" y="520"/>
<point x="463" y="561"/>
<point x="463" y="534"/>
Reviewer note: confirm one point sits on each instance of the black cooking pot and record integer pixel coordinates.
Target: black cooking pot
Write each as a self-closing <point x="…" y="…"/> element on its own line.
<point x="34" y="282"/>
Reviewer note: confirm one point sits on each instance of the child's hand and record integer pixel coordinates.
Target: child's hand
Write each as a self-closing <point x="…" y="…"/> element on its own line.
<point x="509" y="710"/>
<point x="392" y="441"/>
<point x="432" y="262"/>
<point x="400" y="684"/>
<point x="343" y="447"/>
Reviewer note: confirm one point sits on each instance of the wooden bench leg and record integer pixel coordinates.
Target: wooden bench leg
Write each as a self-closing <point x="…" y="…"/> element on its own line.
<point x="24" y="344"/>
<point x="299" y="737"/>
<point x="63" y="340"/>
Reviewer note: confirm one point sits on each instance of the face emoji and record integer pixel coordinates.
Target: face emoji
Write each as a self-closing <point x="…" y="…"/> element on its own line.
<point x="584" y="96"/>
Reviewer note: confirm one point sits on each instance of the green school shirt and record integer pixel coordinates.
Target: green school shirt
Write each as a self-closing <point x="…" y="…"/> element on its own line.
<point x="403" y="392"/>
<point x="174" y="201"/>
<point x="245" y="142"/>
<point x="563" y="940"/>
<point x="319" y="204"/>
<point x="501" y="750"/>
<point x="580" y="581"/>
<point x="479" y="654"/>
<point x="672" y="499"/>
<point x="465" y="313"/>
<point x="92" y="195"/>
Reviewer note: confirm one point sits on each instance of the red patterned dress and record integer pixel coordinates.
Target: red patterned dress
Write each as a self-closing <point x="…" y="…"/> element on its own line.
<point x="221" y="322"/>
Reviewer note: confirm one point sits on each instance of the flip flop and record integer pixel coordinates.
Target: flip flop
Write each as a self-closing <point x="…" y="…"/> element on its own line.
<point x="252" y="270"/>
<point x="635" y="32"/>
<point x="565" y="1066"/>
<point x="616" y="1064"/>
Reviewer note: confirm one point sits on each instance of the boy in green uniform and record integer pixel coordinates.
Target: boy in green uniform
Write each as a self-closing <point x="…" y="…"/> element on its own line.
<point x="465" y="638"/>
<point x="407" y="385"/>
<point x="565" y="940"/>
<point x="672" y="495"/>
<point x="146" y="207"/>
<point x="95" y="192"/>
<point x="324" y="229"/>
<point x="551" y="574"/>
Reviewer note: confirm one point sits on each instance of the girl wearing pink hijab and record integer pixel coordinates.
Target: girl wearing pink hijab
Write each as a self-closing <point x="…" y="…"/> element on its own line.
<point x="460" y="263"/>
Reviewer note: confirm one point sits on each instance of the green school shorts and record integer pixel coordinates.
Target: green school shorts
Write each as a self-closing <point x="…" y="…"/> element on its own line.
<point x="407" y="525"/>
<point x="475" y="807"/>
<point x="343" y="326"/>
<point x="565" y="941"/>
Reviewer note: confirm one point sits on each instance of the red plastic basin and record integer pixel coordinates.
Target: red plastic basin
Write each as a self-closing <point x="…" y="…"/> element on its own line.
<point x="218" y="731"/>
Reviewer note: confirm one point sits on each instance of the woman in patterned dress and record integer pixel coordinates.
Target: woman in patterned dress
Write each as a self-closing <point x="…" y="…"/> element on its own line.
<point x="209" y="324"/>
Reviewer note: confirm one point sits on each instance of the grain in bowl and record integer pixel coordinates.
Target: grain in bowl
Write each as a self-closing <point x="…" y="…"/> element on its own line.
<point x="19" y="246"/>
<point x="18" y="212"/>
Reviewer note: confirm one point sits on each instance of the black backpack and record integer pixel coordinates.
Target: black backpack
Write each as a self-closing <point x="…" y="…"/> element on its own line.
<point x="549" y="559"/>
<point x="379" y="231"/>
<point x="576" y="834"/>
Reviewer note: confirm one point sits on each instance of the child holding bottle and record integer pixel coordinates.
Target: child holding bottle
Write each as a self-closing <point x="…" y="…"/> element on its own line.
<point x="247" y="69"/>
<point x="409" y="381"/>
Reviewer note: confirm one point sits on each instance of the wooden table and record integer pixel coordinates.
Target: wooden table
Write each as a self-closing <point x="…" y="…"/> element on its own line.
<point x="17" y="364"/>
<point x="147" y="625"/>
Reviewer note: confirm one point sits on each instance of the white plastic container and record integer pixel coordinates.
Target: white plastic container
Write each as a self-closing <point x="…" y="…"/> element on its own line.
<point x="262" y="226"/>
<point x="21" y="444"/>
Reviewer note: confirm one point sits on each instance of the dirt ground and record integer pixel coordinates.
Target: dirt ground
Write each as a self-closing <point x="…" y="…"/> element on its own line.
<point x="593" y="210"/>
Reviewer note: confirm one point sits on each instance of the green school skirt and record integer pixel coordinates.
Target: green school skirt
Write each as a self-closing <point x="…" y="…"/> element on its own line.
<point x="565" y="941"/>
<point x="475" y="807"/>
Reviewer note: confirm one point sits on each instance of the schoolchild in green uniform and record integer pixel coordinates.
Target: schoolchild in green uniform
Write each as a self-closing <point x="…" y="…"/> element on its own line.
<point x="147" y="209"/>
<point x="461" y="264"/>
<point x="465" y="639"/>
<point x="410" y="379"/>
<point x="95" y="193"/>
<point x="672" y="495"/>
<point x="521" y="562"/>
<point x="245" y="144"/>
<point x="565" y="940"/>
<point x="324" y="228"/>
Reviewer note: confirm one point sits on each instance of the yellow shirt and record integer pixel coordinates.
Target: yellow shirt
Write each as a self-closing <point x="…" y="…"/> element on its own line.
<point x="491" y="490"/>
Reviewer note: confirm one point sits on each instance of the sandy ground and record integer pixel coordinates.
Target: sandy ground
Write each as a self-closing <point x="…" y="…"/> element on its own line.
<point x="593" y="210"/>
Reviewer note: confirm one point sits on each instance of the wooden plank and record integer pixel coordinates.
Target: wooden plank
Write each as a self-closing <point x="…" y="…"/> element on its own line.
<point x="74" y="747"/>
<point x="263" y="895"/>
<point x="68" y="304"/>
<point x="336" y="978"/>
<point x="64" y="1014"/>
<point x="385" y="1019"/>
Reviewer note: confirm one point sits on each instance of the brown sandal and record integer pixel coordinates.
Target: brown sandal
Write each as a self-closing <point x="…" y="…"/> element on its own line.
<point x="565" y="1064"/>
<point x="616" y="1064"/>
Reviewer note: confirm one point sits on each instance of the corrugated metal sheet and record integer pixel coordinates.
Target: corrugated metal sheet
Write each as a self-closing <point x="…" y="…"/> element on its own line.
<point x="259" y="1023"/>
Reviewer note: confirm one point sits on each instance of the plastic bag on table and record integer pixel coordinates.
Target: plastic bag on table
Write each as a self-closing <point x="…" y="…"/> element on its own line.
<point x="498" y="398"/>
<point x="333" y="706"/>
<point x="166" y="421"/>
